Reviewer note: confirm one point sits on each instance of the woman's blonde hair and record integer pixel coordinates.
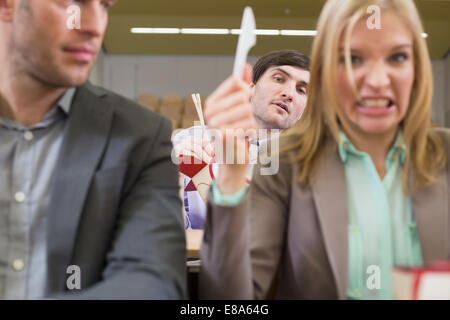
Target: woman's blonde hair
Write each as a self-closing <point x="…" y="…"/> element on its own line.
<point x="320" y="121"/>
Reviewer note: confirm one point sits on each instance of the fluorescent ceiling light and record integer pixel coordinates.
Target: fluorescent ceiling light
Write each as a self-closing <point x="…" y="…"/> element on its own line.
<point x="261" y="32"/>
<point x="204" y="31"/>
<point x="267" y="32"/>
<point x="311" y="33"/>
<point x="166" y="30"/>
<point x="156" y="30"/>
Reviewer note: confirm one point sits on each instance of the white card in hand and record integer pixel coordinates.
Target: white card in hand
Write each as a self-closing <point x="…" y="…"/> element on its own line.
<point x="247" y="39"/>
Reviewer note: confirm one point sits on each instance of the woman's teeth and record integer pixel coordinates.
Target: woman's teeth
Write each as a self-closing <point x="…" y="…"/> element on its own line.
<point x="375" y="103"/>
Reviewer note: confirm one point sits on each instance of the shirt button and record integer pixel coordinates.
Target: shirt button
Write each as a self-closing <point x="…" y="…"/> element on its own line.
<point x="19" y="196"/>
<point x="18" y="265"/>
<point x="28" y="135"/>
<point x="355" y="232"/>
<point x="356" y="292"/>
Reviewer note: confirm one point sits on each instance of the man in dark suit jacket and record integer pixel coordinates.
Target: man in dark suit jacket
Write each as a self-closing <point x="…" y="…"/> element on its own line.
<point x="88" y="193"/>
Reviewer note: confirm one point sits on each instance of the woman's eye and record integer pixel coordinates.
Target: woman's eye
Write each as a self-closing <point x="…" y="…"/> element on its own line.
<point x="398" y="57"/>
<point x="355" y="60"/>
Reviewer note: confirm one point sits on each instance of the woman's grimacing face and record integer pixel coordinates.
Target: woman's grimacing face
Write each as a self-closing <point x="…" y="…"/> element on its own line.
<point x="383" y="71"/>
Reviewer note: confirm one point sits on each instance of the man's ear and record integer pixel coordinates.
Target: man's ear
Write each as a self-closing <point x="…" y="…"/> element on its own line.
<point x="252" y="87"/>
<point x="7" y="10"/>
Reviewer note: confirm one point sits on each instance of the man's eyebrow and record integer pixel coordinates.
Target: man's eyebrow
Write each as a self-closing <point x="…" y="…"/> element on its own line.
<point x="283" y="71"/>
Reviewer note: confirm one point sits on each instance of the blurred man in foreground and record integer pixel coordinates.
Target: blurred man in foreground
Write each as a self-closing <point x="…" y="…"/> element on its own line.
<point x="88" y="194"/>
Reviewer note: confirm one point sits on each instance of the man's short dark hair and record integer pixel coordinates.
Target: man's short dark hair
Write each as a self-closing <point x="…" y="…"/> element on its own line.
<point x="280" y="58"/>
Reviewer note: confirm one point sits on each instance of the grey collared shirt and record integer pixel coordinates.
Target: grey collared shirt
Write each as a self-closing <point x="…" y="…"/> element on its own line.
<point x="28" y="157"/>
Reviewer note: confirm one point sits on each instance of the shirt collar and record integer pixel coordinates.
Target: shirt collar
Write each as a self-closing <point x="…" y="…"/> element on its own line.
<point x="398" y="149"/>
<point x="346" y="148"/>
<point x="65" y="102"/>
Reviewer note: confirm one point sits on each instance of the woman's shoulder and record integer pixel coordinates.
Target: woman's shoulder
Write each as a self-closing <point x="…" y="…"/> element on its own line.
<point x="275" y="165"/>
<point x="444" y="135"/>
<point x="442" y="132"/>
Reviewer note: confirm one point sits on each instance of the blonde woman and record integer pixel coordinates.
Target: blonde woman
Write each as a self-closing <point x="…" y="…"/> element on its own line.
<point x="363" y="182"/>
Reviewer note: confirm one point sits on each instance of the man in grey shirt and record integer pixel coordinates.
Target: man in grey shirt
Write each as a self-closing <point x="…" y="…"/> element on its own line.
<point x="89" y="203"/>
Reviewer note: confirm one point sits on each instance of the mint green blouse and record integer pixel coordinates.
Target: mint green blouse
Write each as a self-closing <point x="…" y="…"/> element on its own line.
<point x="381" y="231"/>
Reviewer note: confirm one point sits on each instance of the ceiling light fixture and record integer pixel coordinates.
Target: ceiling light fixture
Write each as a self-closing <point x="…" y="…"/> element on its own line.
<point x="267" y="32"/>
<point x="310" y="33"/>
<point x="156" y="30"/>
<point x="200" y="31"/>
<point x="204" y="31"/>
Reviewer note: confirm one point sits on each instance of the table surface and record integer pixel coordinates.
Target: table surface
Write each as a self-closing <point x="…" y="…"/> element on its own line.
<point x="194" y="239"/>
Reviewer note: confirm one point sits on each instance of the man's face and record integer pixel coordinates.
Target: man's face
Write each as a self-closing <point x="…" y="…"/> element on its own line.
<point x="279" y="97"/>
<point x="46" y="49"/>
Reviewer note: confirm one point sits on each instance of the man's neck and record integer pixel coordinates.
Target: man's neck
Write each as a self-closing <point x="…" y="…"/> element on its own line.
<point x="26" y="100"/>
<point x="267" y="131"/>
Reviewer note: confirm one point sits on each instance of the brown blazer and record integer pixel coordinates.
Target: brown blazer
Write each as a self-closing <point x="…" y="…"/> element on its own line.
<point x="288" y="242"/>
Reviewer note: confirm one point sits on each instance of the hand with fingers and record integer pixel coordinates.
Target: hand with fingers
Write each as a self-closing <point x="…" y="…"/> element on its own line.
<point x="229" y="116"/>
<point x="199" y="147"/>
<point x="191" y="151"/>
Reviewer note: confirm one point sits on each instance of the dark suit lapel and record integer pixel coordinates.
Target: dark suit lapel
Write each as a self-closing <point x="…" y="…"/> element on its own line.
<point x="84" y="141"/>
<point x="330" y="196"/>
<point x="430" y="206"/>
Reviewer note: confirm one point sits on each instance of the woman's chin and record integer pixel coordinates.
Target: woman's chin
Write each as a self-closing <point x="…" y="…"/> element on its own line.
<point x="374" y="126"/>
<point x="377" y="129"/>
